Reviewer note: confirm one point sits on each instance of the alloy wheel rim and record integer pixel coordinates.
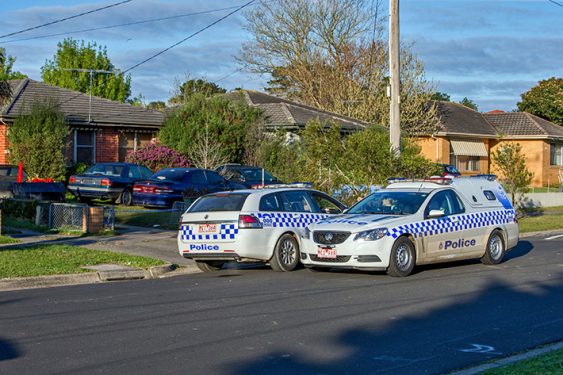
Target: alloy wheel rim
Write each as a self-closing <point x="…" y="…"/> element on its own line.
<point x="287" y="252"/>
<point x="495" y="247"/>
<point x="403" y="257"/>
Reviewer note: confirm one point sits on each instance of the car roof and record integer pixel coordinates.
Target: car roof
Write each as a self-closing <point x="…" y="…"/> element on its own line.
<point x="265" y="191"/>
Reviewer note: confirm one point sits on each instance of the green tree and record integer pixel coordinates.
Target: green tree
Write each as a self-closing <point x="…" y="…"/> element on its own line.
<point x="158" y="105"/>
<point x="38" y="139"/>
<point x="545" y="100"/>
<point x="440" y="96"/>
<point x="195" y="86"/>
<point x="7" y="67"/>
<point x="510" y="163"/>
<point x="210" y="124"/>
<point x="74" y="55"/>
<point x="469" y="103"/>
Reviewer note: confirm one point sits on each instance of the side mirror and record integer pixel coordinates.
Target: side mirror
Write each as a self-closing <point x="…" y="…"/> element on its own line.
<point x="436" y="213"/>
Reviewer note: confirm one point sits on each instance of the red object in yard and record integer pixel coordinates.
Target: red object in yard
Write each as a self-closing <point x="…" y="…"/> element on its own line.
<point x="20" y="173"/>
<point x="37" y="179"/>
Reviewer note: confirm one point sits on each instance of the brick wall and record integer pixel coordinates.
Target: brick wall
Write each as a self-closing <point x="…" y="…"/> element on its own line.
<point x="107" y="146"/>
<point x="537" y="159"/>
<point x="3" y="143"/>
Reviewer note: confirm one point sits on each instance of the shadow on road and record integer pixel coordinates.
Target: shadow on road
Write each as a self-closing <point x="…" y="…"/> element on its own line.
<point x="473" y="327"/>
<point x="8" y="350"/>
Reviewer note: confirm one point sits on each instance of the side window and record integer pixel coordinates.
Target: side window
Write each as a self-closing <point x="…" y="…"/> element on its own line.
<point x="325" y="204"/>
<point x="296" y="201"/>
<point x="195" y="177"/>
<point x="213" y="178"/>
<point x="145" y="172"/>
<point x="270" y="202"/>
<point x="134" y="172"/>
<point x="489" y="195"/>
<point x="447" y="201"/>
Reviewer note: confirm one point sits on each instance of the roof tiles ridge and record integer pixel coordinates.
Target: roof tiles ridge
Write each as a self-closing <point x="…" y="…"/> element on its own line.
<point x="536" y="124"/>
<point x="19" y="89"/>
<point x="287" y="112"/>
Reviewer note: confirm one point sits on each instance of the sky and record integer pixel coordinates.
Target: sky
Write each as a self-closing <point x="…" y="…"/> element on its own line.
<point x="489" y="51"/>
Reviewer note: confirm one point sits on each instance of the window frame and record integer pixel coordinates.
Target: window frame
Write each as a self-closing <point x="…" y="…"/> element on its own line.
<point x="92" y="146"/>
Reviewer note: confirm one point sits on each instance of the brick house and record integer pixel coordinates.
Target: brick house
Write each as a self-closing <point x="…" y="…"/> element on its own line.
<point x="101" y="130"/>
<point x="466" y="139"/>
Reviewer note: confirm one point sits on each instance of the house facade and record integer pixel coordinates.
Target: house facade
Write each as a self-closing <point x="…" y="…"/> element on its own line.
<point x="466" y="139"/>
<point x="101" y="130"/>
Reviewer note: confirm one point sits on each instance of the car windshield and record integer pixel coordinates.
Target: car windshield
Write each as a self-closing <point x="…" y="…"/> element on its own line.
<point x="105" y="170"/>
<point x="390" y="202"/>
<point x="169" y="175"/>
<point x="255" y="174"/>
<point x="451" y="169"/>
<point x="219" y="202"/>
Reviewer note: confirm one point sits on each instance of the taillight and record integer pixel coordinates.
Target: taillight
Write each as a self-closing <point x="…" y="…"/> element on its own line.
<point x="163" y="190"/>
<point x="248" y="221"/>
<point x="137" y="188"/>
<point x="72" y="180"/>
<point x="105" y="182"/>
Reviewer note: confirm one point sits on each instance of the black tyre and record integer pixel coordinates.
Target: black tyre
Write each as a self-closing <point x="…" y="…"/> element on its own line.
<point x="209" y="265"/>
<point x="402" y="259"/>
<point x="126" y="197"/>
<point x="495" y="248"/>
<point x="286" y="254"/>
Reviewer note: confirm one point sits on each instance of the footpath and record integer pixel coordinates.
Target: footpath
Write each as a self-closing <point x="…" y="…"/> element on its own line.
<point x="148" y="242"/>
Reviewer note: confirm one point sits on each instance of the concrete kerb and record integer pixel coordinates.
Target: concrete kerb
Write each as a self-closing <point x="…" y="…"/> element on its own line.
<point x="510" y="360"/>
<point x="121" y="274"/>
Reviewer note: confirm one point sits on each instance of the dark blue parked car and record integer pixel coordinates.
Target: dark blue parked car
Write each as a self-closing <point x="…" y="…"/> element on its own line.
<point x="179" y="184"/>
<point x="108" y="181"/>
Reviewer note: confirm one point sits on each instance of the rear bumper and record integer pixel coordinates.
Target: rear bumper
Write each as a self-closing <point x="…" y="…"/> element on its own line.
<point x="96" y="192"/>
<point x="156" y="200"/>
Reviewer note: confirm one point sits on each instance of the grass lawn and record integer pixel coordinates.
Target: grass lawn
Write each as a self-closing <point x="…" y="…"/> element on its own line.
<point x="23" y="224"/>
<point x="62" y="259"/>
<point x="147" y="217"/>
<point x="4" y="240"/>
<point x="546" y="364"/>
<point x="543" y="222"/>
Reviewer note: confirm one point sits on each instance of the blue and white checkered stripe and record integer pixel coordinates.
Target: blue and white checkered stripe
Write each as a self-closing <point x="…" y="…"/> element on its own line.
<point x="226" y="232"/>
<point x="288" y="220"/>
<point x="446" y="224"/>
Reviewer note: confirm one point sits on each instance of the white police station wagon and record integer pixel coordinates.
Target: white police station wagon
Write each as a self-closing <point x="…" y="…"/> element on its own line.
<point x="252" y="225"/>
<point x="414" y="223"/>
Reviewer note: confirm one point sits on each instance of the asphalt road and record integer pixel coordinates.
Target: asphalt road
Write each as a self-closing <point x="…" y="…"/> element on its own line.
<point x="252" y="321"/>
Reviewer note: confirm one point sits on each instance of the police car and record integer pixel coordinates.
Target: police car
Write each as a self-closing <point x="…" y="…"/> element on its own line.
<point x="414" y="223"/>
<point x="252" y="225"/>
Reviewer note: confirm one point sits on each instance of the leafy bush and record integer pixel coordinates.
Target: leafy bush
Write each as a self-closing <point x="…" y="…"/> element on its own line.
<point x="20" y="208"/>
<point x="38" y="139"/>
<point x="156" y="156"/>
<point x="76" y="169"/>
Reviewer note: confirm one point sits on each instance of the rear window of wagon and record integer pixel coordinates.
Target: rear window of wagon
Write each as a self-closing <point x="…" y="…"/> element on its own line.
<point x="219" y="202"/>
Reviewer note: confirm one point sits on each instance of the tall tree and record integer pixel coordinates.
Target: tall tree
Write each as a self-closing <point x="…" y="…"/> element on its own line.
<point x="510" y="163"/>
<point x="74" y="55"/>
<point x="195" y="86"/>
<point x="7" y="67"/>
<point x="469" y="103"/>
<point x="545" y="100"/>
<point x="332" y="54"/>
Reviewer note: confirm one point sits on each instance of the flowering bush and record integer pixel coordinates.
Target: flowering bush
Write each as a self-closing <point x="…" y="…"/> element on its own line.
<point x="156" y="156"/>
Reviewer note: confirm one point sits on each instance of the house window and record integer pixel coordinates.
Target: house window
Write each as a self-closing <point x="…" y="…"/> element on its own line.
<point x="84" y="146"/>
<point x="555" y="151"/>
<point x="132" y="141"/>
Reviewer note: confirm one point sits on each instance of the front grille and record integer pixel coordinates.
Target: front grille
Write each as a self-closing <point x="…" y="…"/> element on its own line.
<point x="338" y="259"/>
<point x="324" y="237"/>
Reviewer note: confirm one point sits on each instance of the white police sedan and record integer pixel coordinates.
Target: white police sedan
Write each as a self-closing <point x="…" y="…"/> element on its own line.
<point x="252" y="225"/>
<point x="414" y="223"/>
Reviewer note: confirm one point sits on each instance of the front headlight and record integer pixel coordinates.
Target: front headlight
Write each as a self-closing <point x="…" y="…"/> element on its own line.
<point x="307" y="233"/>
<point x="371" y="235"/>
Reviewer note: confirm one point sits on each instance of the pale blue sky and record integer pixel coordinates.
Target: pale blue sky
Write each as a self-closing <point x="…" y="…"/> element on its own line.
<point x="490" y="51"/>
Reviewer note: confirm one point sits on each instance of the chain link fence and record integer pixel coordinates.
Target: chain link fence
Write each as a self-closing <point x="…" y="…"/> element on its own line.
<point x="81" y="217"/>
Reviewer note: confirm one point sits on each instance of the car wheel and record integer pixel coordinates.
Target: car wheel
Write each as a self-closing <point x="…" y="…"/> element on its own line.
<point x="126" y="198"/>
<point x="286" y="254"/>
<point x="495" y="249"/>
<point x="209" y="265"/>
<point x="402" y="259"/>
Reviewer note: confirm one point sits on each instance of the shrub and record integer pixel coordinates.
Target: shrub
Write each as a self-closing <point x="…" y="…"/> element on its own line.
<point x="156" y="156"/>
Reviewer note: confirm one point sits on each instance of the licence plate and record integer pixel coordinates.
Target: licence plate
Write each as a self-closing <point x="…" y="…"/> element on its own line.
<point x="207" y="228"/>
<point x="326" y="252"/>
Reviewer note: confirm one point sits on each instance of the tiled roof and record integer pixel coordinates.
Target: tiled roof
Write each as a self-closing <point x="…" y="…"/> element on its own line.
<point x="523" y="124"/>
<point x="456" y="118"/>
<point x="283" y="113"/>
<point x="76" y="106"/>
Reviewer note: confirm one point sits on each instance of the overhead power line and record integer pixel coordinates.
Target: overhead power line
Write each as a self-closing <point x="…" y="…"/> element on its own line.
<point x="228" y="75"/>
<point x="120" y="25"/>
<point x="65" y="19"/>
<point x="556" y="3"/>
<point x="189" y="36"/>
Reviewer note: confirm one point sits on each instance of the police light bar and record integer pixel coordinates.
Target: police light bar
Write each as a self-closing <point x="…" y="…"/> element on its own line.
<point x="442" y="180"/>
<point x="306" y="185"/>
<point x="486" y="176"/>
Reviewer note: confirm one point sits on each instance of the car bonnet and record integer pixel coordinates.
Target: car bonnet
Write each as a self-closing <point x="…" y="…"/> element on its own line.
<point x="356" y="222"/>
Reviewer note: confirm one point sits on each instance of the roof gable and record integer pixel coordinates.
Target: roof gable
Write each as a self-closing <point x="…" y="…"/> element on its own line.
<point x="458" y="119"/>
<point x="78" y="107"/>
<point x="523" y="124"/>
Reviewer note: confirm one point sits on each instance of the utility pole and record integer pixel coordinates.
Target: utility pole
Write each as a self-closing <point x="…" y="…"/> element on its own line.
<point x="394" y="112"/>
<point x="92" y="71"/>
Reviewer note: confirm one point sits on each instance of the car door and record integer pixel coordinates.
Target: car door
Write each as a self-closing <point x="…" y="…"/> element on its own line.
<point x="444" y="237"/>
<point x="326" y="204"/>
<point x="299" y="210"/>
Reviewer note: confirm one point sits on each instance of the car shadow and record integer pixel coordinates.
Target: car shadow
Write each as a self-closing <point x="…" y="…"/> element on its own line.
<point x="9" y="350"/>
